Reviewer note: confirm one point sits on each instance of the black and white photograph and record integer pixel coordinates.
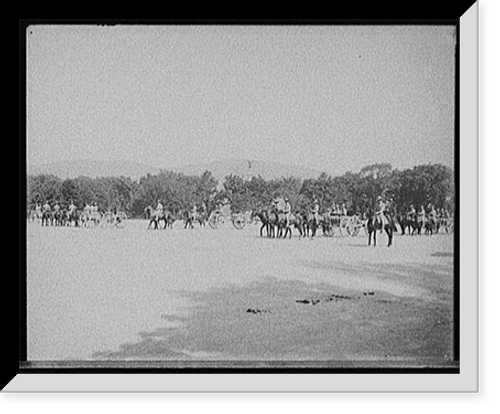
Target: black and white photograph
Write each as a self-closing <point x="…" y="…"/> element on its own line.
<point x="242" y="197"/>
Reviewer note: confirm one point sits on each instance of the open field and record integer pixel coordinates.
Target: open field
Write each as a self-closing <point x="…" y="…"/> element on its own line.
<point x="204" y="294"/>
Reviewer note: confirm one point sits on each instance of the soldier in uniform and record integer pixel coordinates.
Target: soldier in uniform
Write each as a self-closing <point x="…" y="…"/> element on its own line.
<point x="315" y="211"/>
<point x="380" y="212"/>
<point x="287" y="209"/>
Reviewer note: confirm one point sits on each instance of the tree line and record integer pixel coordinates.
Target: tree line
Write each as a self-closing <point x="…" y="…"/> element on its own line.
<point x="420" y="185"/>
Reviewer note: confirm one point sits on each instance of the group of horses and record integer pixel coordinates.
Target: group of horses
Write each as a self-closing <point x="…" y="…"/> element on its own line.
<point x="59" y="218"/>
<point x="166" y="219"/>
<point x="276" y="225"/>
<point x="414" y="224"/>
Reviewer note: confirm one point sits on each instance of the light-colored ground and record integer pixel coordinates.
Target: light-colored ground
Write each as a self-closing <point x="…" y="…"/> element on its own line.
<point x="204" y="294"/>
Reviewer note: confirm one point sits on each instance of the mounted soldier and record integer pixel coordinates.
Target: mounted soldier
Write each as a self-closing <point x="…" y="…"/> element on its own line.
<point x="380" y="212"/>
<point x="412" y="213"/>
<point x="159" y="210"/>
<point x="46" y="214"/>
<point x="287" y="210"/>
<point x="315" y="211"/>
<point x="344" y="209"/>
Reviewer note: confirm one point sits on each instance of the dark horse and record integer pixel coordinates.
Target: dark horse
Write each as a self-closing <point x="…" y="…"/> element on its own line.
<point x="407" y="222"/>
<point x="373" y="224"/>
<point x="309" y="224"/>
<point x="155" y="218"/>
<point x="59" y="217"/>
<point x="190" y="218"/>
<point x="431" y="226"/>
<point x="263" y="216"/>
<point x="285" y="229"/>
<point x="73" y="217"/>
<point x="269" y="220"/>
<point x="46" y="218"/>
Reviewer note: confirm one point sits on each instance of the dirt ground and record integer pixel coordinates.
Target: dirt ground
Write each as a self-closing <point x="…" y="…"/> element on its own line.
<point x="229" y="295"/>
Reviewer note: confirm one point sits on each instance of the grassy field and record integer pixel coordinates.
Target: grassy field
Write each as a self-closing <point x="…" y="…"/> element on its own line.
<point x="229" y="295"/>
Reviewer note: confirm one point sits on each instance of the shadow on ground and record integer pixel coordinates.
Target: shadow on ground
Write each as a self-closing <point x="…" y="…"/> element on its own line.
<point x="287" y="320"/>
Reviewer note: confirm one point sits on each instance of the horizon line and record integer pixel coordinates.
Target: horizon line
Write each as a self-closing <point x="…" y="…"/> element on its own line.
<point x="173" y="168"/>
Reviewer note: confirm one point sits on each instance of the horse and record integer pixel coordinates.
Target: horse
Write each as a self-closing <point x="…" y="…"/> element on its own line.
<point x="407" y="221"/>
<point x="326" y="223"/>
<point x="273" y="224"/>
<point x="35" y="215"/>
<point x="373" y="224"/>
<point x="263" y="216"/>
<point x="46" y="218"/>
<point x="59" y="217"/>
<point x="165" y="216"/>
<point x="72" y="217"/>
<point x="193" y="217"/>
<point x="149" y="214"/>
<point x="285" y="229"/>
<point x="431" y="226"/>
<point x="420" y="223"/>
<point x="309" y="224"/>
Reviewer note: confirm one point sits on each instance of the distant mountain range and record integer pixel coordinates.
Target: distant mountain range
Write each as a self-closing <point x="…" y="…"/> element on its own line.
<point x="134" y="170"/>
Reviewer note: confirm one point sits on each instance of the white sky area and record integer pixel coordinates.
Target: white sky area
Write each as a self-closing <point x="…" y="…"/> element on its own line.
<point x="335" y="98"/>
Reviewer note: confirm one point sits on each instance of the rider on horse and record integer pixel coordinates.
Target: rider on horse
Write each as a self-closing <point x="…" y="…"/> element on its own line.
<point x="38" y="209"/>
<point x="71" y="209"/>
<point x="315" y="211"/>
<point x="412" y="213"/>
<point x="343" y="209"/>
<point x="432" y="212"/>
<point x="380" y="212"/>
<point x="159" y="209"/>
<point x="287" y="210"/>
<point x="421" y="214"/>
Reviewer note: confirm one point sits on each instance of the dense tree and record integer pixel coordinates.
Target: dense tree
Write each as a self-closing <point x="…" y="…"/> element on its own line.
<point x="420" y="185"/>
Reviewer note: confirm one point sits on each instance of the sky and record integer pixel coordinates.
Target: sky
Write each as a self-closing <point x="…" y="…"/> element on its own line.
<point x="335" y="98"/>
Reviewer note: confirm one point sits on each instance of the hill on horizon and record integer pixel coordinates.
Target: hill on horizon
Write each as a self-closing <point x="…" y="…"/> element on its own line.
<point x="219" y="169"/>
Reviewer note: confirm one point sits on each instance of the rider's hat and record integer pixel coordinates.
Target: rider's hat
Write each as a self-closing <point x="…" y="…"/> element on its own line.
<point x="379" y="198"/>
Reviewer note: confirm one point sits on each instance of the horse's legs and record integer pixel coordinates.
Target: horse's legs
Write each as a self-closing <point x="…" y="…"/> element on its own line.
<point x="389" y="233"/>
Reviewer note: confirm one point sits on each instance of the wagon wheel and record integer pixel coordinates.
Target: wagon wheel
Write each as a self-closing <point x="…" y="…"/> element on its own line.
<point x="239" y="221"/>
<point x="213" y="220"/>
<point x="329" y="230"/>
<point x="355" y="228"/>
<point x="345" y="226"/>
<point x="221" y="220"/>
<point x="120" y="220"/>
<point x="108" y="220"/>
<point x="96" y="218"/>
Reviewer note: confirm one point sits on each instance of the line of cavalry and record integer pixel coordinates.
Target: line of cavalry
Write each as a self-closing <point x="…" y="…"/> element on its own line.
<point x="276" y="221"/>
